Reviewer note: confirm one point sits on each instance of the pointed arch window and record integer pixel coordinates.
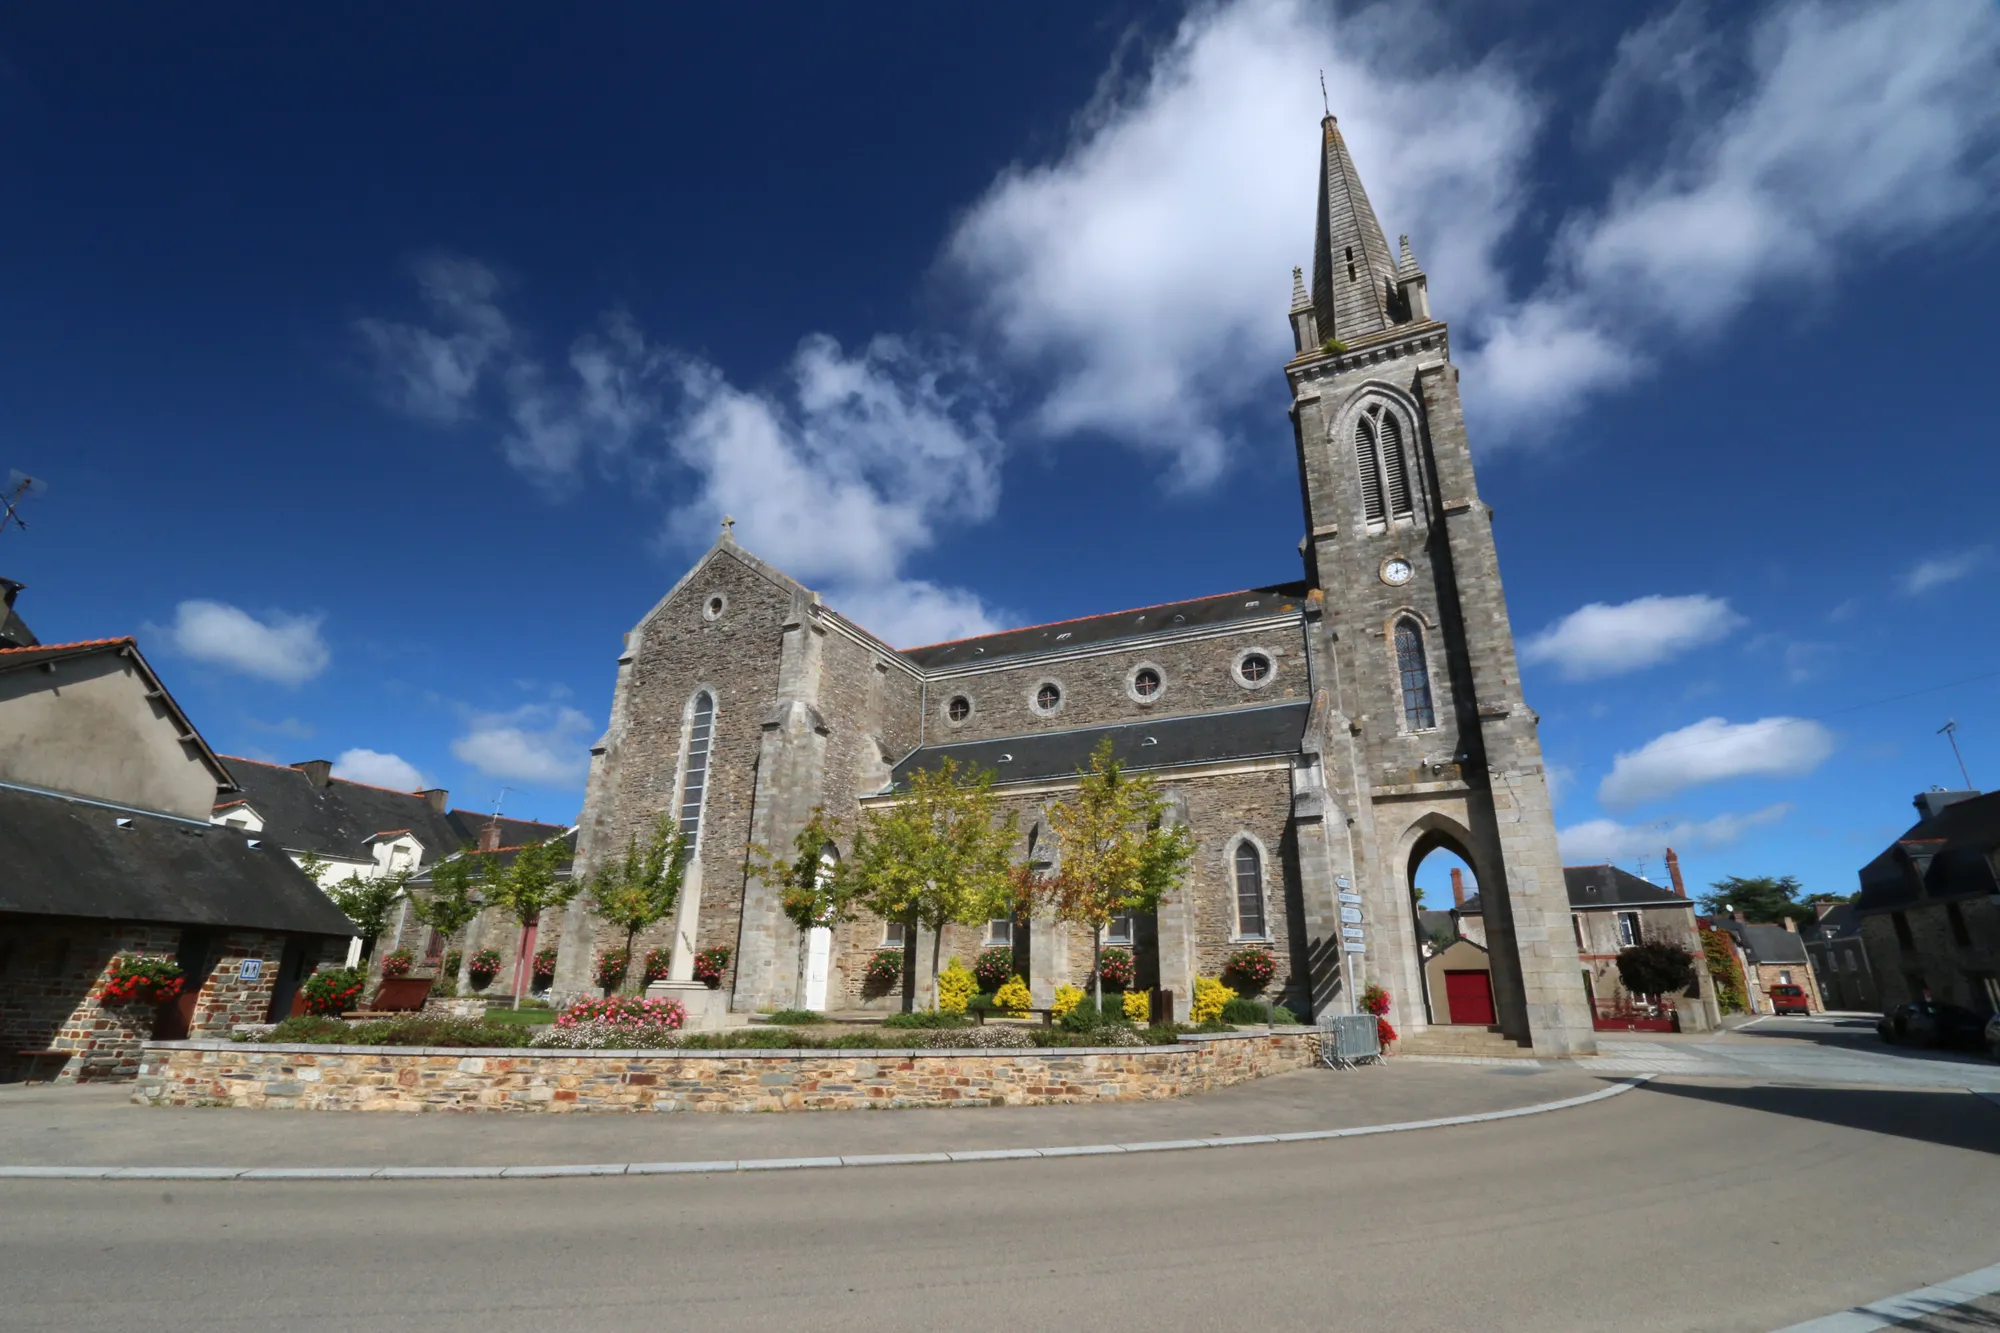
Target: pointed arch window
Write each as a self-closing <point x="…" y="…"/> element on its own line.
<point x="1411" y="665"/>
<point x="1383" y="464"/>
<point x="694" y="769"/>
<point x="1249" y="891"/>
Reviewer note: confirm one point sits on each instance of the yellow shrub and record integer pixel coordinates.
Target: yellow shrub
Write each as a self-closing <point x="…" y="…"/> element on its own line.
<point x="955" y="988"/>
<point x="1209" y="997"/>
<point x="1138" y="1005"/>
<point x="1014" y="998"/>
<point x="1066" y="999"/>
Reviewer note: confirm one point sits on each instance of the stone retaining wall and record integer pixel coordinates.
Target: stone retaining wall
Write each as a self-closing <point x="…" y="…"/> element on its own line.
<point x="398" y="1078"/>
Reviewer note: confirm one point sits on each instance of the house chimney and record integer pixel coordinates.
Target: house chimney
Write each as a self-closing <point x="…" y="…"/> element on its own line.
<point x="318" y="771"/>
<point x="1674" y="874"/>
<point x="1791" y="925"/>
<point x="436" y="798"/>
<point x="489" y="837"/>
<point x="1458" y="886"/>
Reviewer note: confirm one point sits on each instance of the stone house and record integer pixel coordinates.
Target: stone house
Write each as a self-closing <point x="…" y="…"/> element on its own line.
<point x="1840" y="959"/>
<point x="1321" y="735"/>
<point x="1610" y="911"/>
<point x="1929" y="905"/>
<point x="352" y="828"/>
<point x="1773" y="955"/>
<point x="105" y="794"/>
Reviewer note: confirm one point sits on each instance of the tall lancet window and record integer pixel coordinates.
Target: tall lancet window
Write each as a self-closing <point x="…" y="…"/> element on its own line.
<point x="1381" y="460"/>
<point x="694" y="770"/>
<point x="1418" y="715"/>
<point x="1249" y="891"/>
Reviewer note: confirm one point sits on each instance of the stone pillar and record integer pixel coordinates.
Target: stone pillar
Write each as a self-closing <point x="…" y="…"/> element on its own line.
<point x="1174" y="930"/>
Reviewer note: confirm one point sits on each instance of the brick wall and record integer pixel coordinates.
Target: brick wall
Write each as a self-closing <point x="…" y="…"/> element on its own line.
<point x="350" y="1078"/>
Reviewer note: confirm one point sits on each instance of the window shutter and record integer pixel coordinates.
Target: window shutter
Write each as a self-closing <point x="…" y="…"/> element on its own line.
<point x="1396" y="466"/>
<point x="1369" y="463"/>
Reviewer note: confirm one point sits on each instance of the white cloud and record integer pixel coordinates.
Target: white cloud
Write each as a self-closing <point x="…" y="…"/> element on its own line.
<point x="435" y="374"/>
<point x="1713" y="750"/>
<point x="1145" y="269"/>
<point x="1940" y="570"/>
<point x="1600" y="840"/>
<point x="1848" y="130"/>
<point x="1148" y="268"/>
<point x="287" y="649"/>
<point x="1607" y="640"/>
<point x="378" y="770"/>
<point x="838" y="476"/>
<point x="542" y="744"/>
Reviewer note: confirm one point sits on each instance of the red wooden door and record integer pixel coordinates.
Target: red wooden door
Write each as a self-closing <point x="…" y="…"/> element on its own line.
<point x="1470" y="997"/>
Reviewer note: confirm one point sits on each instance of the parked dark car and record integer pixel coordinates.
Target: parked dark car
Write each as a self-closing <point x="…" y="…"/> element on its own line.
<point x="1789" y="1000"/>
<point x="1929" y="1023"/>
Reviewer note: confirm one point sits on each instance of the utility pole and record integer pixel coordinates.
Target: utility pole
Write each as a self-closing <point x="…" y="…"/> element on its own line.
<point x="1950" y="732"/>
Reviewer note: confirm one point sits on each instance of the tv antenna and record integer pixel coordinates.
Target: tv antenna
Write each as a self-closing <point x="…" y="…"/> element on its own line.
<point x="20" y="486"/>
<point x="1950" y="732"/>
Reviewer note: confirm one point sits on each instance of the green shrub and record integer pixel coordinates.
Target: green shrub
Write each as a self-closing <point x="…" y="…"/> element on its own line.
<point x="860" y="1041"/>
<point x="1246" y="1011"/>
<point x="1283" y="1016"/>
<point x="308" y="1027"/>
<point x="793" y="1017"/>
<point x="926" y="1018"/>
<point x="416" y="1030"/>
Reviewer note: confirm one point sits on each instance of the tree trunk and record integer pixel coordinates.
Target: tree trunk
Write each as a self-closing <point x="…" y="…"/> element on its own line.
<point x="937" y="943"/>
<point x="526" y="962"/>
<point x="631" y="943"/>
<point x="1097" y="967"/>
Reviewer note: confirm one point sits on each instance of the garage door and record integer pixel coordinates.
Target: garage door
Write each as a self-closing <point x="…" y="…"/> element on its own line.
<point x="1470" y="997"/>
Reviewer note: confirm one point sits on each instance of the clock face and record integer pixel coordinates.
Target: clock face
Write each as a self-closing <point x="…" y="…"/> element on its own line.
<point x="1396" y="571"/>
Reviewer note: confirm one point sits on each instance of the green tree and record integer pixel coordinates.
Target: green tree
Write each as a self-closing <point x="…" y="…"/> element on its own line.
<point x="935" y="856"/>
<point x="1117" y="854"/>
<point x="1759" y="898"/>
<point x="449" y="904"/>
<point x="642" y="887"/>
<point x="528" y="886"/>
<point x="811" y="893"/>
<point x="367" y="902"/>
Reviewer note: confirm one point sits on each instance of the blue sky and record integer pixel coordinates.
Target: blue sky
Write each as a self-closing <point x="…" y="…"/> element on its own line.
<point x="384" y="368"/>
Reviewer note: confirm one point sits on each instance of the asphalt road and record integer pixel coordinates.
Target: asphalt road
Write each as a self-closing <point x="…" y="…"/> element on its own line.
<point x="1683" y="1205"/>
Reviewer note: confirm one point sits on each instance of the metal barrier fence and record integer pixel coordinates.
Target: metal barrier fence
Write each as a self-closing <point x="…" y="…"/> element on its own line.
<point x="1346" y="1040"/>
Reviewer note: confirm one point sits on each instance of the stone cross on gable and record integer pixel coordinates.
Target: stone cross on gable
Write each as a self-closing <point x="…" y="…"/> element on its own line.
<point x="728" y="528"/>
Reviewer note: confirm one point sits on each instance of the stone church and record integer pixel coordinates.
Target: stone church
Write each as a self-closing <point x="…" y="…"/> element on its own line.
<point x="1320" y="737"/>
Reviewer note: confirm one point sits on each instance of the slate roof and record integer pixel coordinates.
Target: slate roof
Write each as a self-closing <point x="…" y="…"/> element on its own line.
<point x="1766" y="943"/>
<point x="14" y="631"/>
<point x="1433" y="922"/>
<point x="1601" y="887"/>
<point x="1958" y="840"/>
<point x="343" y="817"/>
<point x="1843" y="922"/>
<point x="65" y="856"/>
<point x="1150" y="743"/>
<point x="1063" y="635"/>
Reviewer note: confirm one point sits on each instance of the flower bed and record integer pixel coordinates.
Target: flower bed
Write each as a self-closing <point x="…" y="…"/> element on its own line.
<point x="415" y="1079"/>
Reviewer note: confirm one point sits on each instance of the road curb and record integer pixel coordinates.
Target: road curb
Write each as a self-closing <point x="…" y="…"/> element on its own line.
<point x="316" y="1173"/>
<point x="1891" y="1311"/>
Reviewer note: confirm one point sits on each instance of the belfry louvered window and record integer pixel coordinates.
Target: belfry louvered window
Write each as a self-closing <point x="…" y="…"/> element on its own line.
<point x="1418" y="715"/>
<point x="1384" y="468"/>
<point x="694" y="772"/>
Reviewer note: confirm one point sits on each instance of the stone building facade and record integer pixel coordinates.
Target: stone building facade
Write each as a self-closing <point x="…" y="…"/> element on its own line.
<point x="1929" y="906"/>
<point x="1320" y="737"/>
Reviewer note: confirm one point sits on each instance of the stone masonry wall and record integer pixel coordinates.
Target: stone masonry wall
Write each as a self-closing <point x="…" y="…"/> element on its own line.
<point x="1950" y="971"/>
<point x="1197" y="676"/>
<point x="382" y="1078"/>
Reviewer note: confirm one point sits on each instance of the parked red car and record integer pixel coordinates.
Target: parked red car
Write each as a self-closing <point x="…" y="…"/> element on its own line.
<point x="1789" y="1000"/>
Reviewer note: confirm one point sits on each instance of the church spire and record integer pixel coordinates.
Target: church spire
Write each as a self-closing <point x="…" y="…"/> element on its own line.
<point x="1354" y="274"/>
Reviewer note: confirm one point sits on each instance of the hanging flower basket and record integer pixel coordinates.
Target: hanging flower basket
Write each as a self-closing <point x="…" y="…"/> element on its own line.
<point x="612" y="965"/>
<point x="1249" y="970"/>
<point x="397" y="963"/>
<point x="884" y="970"/>
<point x="545" y="967"/>
<point x="993" y="967"/>
<point x="141" y="980"/>
<point x="485" y="966"/>
<point x="1116" y="970"/>
<point x="332" y="992"/>
<point x="659" y="965"/>
<point x="710" y="964"/>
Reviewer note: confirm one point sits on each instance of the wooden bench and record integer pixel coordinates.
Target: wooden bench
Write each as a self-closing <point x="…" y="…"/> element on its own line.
<point x="981" y="1015"/>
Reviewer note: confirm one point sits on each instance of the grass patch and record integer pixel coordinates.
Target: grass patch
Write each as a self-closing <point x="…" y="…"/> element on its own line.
<point x="795" y="1017"/>
<point x="522" y="1017"/>
<point x="926" y="1018"/>
<point x="413" y="1031"/>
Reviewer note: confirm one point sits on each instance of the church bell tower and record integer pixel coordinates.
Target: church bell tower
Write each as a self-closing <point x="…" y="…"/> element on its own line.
<point x="1424" y="739"/>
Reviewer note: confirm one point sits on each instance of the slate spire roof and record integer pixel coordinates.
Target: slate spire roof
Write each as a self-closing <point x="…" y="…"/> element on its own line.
<point x="1353" y="270"/>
